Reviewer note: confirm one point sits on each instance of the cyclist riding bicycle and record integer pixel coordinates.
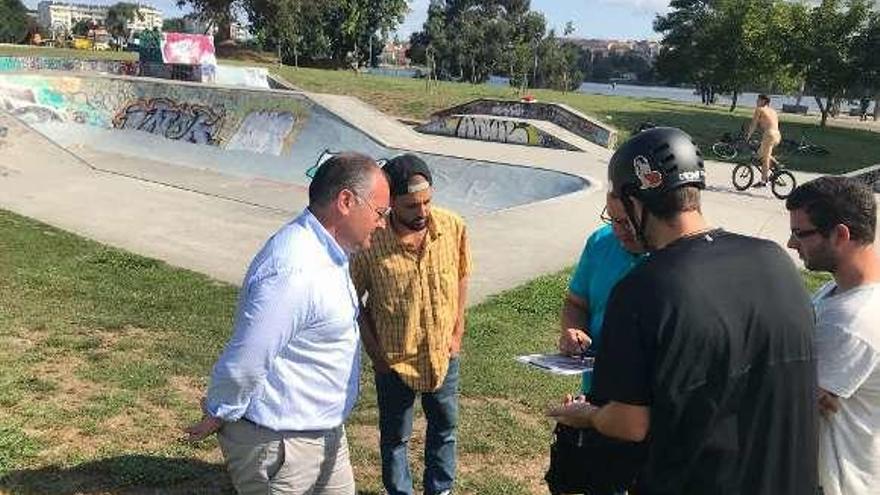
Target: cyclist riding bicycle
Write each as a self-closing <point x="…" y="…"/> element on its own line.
<point x="767" y="119"/>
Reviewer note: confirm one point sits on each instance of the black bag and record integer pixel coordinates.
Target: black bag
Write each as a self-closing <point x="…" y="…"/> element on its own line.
<point x="585" y="461"/>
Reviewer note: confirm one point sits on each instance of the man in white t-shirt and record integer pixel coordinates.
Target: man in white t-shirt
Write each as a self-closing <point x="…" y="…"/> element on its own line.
<point x="833" y="223"/>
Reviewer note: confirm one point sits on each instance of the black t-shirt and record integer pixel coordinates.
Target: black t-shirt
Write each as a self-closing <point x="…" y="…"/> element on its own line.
<point x="714" y="334"/>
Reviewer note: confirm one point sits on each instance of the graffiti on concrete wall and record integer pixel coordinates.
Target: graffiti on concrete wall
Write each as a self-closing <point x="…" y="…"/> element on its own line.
<point x="22" y="103"/>
<point x="179" y="121"/>
<point x="263" y="132"/>
<point x="256" y="121"/>
<point x="117" y="67"/>
<point x="190" y="49"/>
<point x="487" y="128"/>
<point x="576" y="122"/>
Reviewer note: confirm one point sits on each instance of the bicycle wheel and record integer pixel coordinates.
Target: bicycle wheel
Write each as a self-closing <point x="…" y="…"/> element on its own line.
<point x="783" y="184"/>
<point x="743" y="176"/>
<point x="815" y="149"/>
<point x="724" y="150"/>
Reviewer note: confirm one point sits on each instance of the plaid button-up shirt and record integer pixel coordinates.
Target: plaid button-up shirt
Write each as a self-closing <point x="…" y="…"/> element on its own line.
<point x="413" y="297"/>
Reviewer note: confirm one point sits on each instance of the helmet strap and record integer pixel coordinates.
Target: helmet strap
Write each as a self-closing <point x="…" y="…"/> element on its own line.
<point x="637" y="224"/>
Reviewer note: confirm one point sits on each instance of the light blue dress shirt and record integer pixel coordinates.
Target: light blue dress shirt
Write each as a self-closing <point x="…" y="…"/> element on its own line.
<point x="293" y="361"/>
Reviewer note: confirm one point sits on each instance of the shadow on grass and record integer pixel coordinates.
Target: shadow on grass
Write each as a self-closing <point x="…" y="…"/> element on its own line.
<point x="129" y="474"/>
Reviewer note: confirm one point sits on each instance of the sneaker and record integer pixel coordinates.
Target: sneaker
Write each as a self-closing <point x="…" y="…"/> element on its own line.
<point x="759" y="185"/>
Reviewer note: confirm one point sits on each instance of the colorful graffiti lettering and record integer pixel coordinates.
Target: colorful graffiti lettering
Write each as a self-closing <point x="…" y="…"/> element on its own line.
<point x="180" y="121"/>
<point x="117" y="67"/>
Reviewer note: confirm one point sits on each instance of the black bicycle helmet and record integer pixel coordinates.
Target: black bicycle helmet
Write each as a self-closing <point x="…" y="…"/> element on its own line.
<point x="654" y="162"/>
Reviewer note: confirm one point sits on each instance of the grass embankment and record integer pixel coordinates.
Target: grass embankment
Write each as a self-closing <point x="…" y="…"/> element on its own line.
<point x="850" y="149"/>
<point x="106" y="354"/>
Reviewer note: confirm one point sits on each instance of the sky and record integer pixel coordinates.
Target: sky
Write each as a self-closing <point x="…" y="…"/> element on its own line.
<point x="609" y="19"/>
<point x="605" y="19"/>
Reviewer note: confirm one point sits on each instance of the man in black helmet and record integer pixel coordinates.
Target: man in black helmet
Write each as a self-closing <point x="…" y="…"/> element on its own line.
<point x="707" y="356"/>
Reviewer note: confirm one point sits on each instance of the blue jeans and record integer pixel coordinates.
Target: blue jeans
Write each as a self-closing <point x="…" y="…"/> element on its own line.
<point x="396" y="401"/>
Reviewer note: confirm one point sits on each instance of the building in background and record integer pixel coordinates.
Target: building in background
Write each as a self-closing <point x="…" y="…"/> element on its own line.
<point x="61" y="16"/>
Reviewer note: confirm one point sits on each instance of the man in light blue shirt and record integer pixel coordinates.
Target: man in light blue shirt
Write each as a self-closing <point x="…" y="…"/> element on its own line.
<point x="610" y="253"/>
<point x="288" y="378"/>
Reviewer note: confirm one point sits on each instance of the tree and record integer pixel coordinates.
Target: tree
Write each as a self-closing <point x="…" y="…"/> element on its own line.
<point x="82" y="27"/>
<point x="119" y="16"/>
<point x="867" y="60"/>
<point x="829" y="48"/>
<point x="174" y="25"/>
<point x="220" y="13"/>
<point x="13" y="21"/>
<point x="325" y="30"/>
<point x="725" y="45"/>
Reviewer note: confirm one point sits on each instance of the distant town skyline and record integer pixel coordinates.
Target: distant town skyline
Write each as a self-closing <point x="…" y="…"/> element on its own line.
<point x="603" y="19"/>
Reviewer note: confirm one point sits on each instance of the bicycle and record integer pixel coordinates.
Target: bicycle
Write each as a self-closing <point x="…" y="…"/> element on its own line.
<point x="782" y="182"/>
<point x="804" y="146"/>
<point x="729" y="146"/>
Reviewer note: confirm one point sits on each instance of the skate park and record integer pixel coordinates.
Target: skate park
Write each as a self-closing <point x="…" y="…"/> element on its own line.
<point x="199" y="175"/>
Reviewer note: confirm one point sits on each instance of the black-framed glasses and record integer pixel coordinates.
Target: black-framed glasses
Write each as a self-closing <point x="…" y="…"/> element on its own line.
<point x="803" y="234"/>
<point x="609" y="220"/>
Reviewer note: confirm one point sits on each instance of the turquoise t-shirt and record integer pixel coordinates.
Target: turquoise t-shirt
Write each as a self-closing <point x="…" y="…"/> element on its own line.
<point x="603" y="263"/>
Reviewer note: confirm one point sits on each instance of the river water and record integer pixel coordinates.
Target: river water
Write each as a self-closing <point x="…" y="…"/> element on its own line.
<point x="745" y="100"/>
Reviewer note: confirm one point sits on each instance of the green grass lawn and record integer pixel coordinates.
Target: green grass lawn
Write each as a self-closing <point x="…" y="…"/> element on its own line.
<point x="106" y="355"/>
<point x="851" y="149"/>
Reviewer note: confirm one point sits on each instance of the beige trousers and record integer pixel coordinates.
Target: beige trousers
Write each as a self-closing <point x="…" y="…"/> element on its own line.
<point x="265" y="462"/>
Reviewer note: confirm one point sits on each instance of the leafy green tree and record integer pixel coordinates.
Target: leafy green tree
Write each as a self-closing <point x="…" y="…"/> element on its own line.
<point x="867" y="61"/>
<point x="82" y="27"/>
<point x="119" y="16"/>
<point x="726" y="45"/>
<point x="829" y="50"/>
<point x="13" y="21"/>
<point x="174" y="25"/>
<point x="220" y="13"/>
<point x="325" y="30"/>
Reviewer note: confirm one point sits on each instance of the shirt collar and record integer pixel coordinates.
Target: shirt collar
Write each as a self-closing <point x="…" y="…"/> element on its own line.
<point x="337" y="254"/>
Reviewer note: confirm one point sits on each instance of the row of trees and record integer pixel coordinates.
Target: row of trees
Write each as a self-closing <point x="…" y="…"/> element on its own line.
<point x="830" y="49"/>
<point x="462" y="39"/>
<point x="332" y="32"/>
<point x="468" y="40"/>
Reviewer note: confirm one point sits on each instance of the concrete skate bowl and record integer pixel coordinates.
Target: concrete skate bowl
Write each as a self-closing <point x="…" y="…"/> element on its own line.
<point x="268" y="135"/>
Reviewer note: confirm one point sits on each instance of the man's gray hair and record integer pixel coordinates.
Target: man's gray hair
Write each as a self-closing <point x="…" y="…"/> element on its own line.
<point x="352" y="171"/>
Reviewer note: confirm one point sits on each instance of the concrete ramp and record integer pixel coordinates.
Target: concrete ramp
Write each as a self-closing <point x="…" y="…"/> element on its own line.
<point x="499" y="130"/>
<point x="578" y="123"/>
<point x="246" y="133"/>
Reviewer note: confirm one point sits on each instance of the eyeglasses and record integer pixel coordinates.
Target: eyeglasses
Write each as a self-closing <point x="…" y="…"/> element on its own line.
<point x="382" y="212"/>
<point x="803" y="234"/>
<point x="609" y="220"/>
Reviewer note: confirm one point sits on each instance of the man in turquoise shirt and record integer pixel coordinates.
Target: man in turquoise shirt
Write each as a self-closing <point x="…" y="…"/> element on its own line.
<point x="610" y="253"/>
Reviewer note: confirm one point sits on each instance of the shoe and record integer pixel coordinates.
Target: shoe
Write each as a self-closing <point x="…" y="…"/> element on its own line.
<point x="759" y="185"/>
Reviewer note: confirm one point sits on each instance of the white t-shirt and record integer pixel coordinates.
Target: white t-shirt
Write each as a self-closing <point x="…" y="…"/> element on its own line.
<point x="848" y="357"/>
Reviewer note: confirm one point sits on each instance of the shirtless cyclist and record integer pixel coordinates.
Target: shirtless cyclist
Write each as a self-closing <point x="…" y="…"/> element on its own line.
<point x="768" y="120"/>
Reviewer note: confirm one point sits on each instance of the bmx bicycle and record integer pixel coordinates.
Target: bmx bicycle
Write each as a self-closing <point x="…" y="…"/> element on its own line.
<point x="781" y="181"/>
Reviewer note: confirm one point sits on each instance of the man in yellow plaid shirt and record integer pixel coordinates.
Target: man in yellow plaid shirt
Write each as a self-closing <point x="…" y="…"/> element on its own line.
<point x="414" y="278"/>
